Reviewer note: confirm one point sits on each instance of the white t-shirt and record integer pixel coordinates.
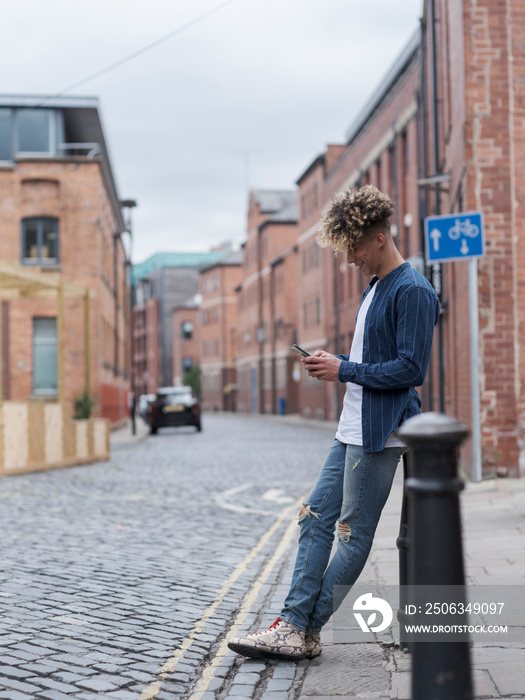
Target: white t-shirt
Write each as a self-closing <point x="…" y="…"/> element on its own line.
<point x="350" y="429"/>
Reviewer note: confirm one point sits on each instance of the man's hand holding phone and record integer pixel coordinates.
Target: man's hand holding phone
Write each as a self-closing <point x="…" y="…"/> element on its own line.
<point x="322" y="365"/>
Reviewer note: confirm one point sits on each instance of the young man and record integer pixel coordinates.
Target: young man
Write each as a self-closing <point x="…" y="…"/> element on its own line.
<point x="388" y="359"/>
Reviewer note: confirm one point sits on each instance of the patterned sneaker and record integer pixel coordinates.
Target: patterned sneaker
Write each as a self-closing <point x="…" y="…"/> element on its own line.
<point x="313" y="644"/>
<point x="280" y="641"/>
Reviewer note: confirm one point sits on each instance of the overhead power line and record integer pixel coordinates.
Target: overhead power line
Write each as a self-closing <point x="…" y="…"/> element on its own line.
<point x="137" y="53"/>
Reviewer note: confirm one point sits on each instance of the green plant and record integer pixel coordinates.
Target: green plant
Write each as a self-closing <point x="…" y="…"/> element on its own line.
<point x="82" y="406"/>
<point x="193" y="378"/>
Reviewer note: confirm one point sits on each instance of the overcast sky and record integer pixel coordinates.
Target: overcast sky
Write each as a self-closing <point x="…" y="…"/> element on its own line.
<point x="247" y="97"/>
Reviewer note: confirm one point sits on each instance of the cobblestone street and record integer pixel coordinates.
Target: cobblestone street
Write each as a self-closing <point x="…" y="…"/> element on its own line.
<point x="120" y="579"/>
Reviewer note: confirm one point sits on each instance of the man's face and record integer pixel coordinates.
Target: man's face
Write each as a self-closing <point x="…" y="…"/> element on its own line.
<point x="364" y="256"/>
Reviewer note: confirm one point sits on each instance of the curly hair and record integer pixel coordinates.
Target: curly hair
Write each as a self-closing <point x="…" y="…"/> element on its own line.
<point x="350" y="215"/>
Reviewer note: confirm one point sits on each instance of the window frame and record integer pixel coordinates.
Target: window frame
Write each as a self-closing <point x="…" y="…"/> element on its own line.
<point x="186" y="334"/>
<point x="55" y="134"/>
<point x="10" y="116"/>
<point x="53" y="391"/>
<point x="39" y="261"/>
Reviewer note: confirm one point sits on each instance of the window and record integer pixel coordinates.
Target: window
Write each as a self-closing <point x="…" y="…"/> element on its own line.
<point x="176" y="396"/>
<point x="45" y="382"/>
<point x="6" y="131"/>
<point x="140" y="319"/>
<point x="39" y="241"/>
<point x="267" y="375"/>
<point x="187" y="330"/>
<point x="280" y="374"/>
<point x="316" y="254"/>
<point x="405" y="151"/>
<point x="34" y="131"/>
<point x="187" y="364"/>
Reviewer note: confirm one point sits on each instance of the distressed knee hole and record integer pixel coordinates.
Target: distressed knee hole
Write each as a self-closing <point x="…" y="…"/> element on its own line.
<point x="306" y="511"/>
<point x="344" y="531"/>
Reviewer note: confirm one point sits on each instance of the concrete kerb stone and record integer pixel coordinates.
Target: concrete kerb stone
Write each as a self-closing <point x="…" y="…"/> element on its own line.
<point x="368" y="696"/>
<point x="295" y="419"/>
<point x="122" y="438"/>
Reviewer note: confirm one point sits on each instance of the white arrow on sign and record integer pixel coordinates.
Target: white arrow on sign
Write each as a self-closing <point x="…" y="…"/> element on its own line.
<point x="435" y="235"/>
<point x="464" y="247"/>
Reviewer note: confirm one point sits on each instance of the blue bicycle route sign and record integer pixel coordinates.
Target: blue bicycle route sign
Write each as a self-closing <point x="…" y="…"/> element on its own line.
<point x="454" y="237"/>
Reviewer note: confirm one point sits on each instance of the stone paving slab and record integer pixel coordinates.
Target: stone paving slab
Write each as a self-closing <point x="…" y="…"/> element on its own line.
<point x="348" y="668"/>
<point x="494" y="542"/>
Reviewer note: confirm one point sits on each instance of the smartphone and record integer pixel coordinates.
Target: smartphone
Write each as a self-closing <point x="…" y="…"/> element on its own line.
<point x="299" y="350"/>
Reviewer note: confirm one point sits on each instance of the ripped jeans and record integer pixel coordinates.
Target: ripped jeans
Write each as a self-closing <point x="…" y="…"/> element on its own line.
<point x="352" y="488"/>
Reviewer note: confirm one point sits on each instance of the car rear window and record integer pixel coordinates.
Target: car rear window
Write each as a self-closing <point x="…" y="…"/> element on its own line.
<point x="178" y="397"/>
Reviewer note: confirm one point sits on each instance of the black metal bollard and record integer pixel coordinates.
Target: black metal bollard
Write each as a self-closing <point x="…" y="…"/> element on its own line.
<point x="440" y="670"/>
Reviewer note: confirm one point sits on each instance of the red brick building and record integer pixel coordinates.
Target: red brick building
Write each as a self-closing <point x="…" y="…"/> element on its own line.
<point x="186" y="341"/>
<point x="443" y="133"/>
<point x="146" y="359"/>
<point x="218" y="332"/>
<point x="475" y="108"/>
<point x="162" y="283"/>
<point x="60" y="215"/>
<point x="381" y="149"/>
<point x="267" y="303"/>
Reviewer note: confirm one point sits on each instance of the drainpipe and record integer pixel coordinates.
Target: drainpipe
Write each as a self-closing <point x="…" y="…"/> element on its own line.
<point x="438" y="205"/>
<point x="260" y="326"/>
<point x="423" y="172"/>
<point x="162" y="329"/>
<point x="273" y="339"/>
<point x="116" y="237"/>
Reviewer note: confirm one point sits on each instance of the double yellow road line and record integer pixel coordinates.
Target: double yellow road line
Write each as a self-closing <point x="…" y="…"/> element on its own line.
<point x="209" y="672"/>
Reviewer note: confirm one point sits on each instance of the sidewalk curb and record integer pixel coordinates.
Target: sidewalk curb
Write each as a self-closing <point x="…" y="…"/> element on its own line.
<point x="122" y="438"/>
<point x="295" y="419"/>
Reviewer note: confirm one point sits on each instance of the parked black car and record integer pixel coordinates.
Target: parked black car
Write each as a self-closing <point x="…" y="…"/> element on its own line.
<point x="145" y="400"/>
<point x="174" y="405"/>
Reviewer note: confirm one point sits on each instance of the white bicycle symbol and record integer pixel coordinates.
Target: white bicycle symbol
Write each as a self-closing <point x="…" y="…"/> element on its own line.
<point x="464" y="228"/>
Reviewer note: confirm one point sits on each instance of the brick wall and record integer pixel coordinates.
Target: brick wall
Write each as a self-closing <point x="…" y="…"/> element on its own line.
<point x="218" y="334"/>
<point x="383" y="153"/>
<point x="516" y="56"/>
<point x="268" y="239"/>
<point x="480" y="118"/>
<point x="72" y="191"/>
<point x="185" y="347"/>
<point x="480" y="127"/>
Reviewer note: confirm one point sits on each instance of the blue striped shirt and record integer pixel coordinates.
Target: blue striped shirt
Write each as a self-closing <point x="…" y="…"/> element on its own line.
<point x="398" y="335"/>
